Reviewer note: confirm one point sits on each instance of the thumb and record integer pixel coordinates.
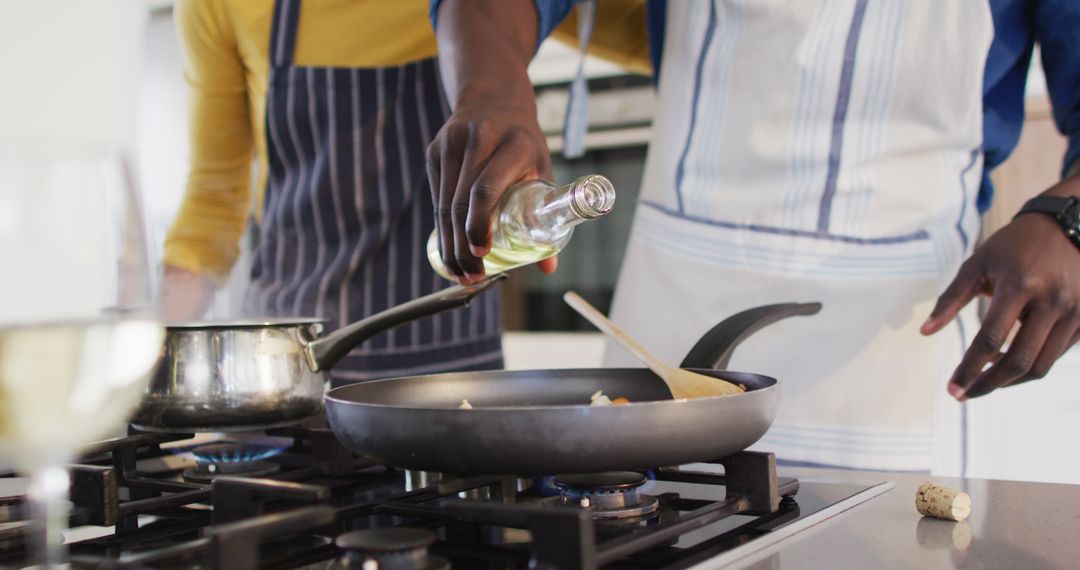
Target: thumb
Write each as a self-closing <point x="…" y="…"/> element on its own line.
<point x="964" y="288"/>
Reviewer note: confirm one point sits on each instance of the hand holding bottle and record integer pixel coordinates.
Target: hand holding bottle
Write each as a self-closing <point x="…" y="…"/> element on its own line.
<point x="470" y="166"/>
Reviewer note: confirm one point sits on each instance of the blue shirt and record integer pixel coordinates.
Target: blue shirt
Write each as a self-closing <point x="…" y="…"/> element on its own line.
<point x="1018" y="26"/>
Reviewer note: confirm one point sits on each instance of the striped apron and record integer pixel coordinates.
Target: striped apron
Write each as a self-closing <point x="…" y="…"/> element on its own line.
<point x="347" y="211"/>
<point x="818" y="151"/>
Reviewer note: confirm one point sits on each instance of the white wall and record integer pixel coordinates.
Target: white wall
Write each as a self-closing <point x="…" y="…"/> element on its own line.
<point x="69" y="69"/>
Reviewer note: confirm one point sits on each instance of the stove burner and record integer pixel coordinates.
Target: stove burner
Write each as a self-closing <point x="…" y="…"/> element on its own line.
<point x="610" y="481"/>
<point x="610" y="495"/>
<point x="204" y="472"/>
<point x="234" y="452"/>
<point x="231" y="458"/>
<point x="398" y="548"/>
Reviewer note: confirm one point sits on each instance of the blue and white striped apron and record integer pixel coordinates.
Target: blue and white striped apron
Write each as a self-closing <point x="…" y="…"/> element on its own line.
<point x="347" y="211"/>
<point x="818" y="151"/>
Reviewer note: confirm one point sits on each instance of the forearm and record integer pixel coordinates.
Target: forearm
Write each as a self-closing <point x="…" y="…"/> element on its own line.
<point x="485" y="46"/>
<point x="205" y="236"/>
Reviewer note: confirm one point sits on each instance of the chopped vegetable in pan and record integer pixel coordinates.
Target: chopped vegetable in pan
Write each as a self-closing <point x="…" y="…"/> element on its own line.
<point x="600" y="399"/>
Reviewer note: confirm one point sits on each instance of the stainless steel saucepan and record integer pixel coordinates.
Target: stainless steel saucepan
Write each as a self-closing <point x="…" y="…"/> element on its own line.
<point x="255" y="374"/>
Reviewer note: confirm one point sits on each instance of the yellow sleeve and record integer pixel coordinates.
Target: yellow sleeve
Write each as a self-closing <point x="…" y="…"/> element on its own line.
<point x="205" y="235"/>
<point x="620" y="34"/>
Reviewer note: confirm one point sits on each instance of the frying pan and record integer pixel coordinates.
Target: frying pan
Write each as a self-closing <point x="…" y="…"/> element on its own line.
<point x="533" y="422"/>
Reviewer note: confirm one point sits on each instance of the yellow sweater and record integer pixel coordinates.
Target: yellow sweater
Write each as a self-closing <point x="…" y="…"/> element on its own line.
<point x="226" y="65"/>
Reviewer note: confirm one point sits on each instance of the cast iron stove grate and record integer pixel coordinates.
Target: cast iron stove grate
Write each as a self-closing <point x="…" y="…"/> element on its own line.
<point x="289" y="518"/>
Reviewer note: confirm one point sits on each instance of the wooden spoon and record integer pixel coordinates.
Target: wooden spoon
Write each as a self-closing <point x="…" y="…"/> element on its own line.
<point x="682" y="383"/>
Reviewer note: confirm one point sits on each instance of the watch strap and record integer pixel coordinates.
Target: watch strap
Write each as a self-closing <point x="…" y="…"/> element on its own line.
<point x="1053" y="205"/>
<point x="1064" y="209"/>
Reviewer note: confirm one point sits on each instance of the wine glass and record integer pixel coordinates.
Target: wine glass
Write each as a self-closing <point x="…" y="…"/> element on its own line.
<point x="78" y="334"/>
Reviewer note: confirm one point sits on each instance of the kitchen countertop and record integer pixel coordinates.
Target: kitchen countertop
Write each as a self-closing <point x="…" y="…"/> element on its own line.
<point x="1013" y="524"/>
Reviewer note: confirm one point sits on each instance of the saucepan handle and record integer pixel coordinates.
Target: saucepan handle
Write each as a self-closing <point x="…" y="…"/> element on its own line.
<point x="715" y="348"/>
<point x="326" y="351"/>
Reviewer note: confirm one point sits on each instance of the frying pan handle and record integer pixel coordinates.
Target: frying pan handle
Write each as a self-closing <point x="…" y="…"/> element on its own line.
<point x="325" y="352"/>
<point x="715" y="348"/>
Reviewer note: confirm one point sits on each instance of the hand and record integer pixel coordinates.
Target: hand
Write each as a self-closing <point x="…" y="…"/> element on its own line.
<point x="1031" y="272"/>
<point x="185" y="295"/>
<point x="488" y="144"/>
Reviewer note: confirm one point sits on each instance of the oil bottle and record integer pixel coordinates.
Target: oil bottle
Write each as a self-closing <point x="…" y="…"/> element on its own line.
<point x="534" y="220"/>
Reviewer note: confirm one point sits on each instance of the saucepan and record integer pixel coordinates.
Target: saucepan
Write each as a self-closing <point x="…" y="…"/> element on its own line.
<point x="534" y="422"/>
<point x="257" y="374"/>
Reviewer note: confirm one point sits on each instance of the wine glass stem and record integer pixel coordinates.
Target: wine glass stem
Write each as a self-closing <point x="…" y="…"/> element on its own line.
<point x="47" y="495"/>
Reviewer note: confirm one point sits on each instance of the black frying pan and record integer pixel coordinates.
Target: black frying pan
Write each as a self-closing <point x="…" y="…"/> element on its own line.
<point x="539" y="422"/>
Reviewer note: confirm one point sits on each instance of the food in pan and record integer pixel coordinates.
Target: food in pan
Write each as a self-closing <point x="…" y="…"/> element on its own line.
<point x="597" y="399"/>
<point x="600" y="399"/>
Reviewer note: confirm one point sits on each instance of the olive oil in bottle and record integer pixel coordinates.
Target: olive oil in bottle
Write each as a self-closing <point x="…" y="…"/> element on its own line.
<point x="534" y="220"/>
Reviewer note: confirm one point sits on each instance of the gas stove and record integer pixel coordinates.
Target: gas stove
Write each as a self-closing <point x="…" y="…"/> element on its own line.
<point x="295" y="498"/>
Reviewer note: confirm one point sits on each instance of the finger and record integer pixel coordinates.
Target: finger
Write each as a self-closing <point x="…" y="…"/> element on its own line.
<point x="434" y="168"/>
<point x="1004" y="310"/>
<point x="1060" y="339"/>
<point x="548" y="265"/>
<point x="449" y="169"/>
<point x="964" y="287"/>
<point x="511" y="163"/>
<point x="1019" y="359"/>
<point x="433" y="164"/>
<point x="478" y="155"/>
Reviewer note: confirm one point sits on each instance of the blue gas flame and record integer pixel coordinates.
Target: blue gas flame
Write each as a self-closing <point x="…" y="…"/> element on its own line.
<point x="235" y="452"/>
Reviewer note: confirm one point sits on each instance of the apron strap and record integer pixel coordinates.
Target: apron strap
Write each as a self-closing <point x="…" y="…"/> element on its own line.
<point x="283" y="32"/>
<point x="577" y="109"/>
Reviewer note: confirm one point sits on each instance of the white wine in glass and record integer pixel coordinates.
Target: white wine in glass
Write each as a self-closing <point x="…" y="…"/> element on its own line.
<point x="79" y="336"/>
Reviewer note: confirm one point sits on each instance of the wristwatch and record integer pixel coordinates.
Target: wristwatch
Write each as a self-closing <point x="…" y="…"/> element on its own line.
<point x="1066" y="210"/>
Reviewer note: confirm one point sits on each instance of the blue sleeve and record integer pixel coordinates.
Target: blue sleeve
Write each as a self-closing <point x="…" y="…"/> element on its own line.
<point x="1018" y="26"/>
<point x="1003" y="87"/>
<point x="1057" y="30"/>
<point x="550" y="13"/>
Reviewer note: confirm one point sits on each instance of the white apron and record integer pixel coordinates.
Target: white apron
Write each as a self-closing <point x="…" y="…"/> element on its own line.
<point x="818" y="151"/>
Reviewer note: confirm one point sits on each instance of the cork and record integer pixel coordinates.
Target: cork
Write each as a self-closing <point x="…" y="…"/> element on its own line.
<point x="941" y="502"/>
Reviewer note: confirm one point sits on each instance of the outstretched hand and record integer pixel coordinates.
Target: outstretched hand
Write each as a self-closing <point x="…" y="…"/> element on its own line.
<point x="1031" y="272"/>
